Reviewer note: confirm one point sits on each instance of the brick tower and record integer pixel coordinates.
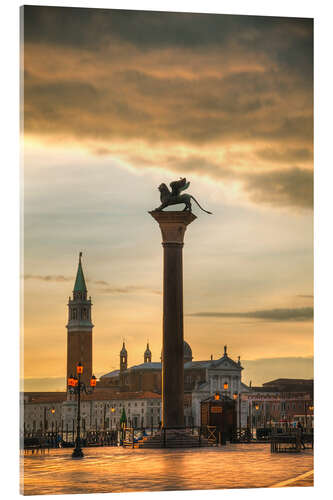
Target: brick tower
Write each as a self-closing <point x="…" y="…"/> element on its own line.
<point x="79" y="328"/>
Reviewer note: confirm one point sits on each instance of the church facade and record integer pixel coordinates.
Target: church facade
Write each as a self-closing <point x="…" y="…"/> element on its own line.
<point x="201" y="380"/>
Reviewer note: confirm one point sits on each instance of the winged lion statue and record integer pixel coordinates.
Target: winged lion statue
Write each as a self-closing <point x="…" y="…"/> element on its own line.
<point x="174" y="197"/>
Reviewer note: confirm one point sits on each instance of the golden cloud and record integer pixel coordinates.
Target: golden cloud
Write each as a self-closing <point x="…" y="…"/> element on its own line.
<point x="229" y="97"/>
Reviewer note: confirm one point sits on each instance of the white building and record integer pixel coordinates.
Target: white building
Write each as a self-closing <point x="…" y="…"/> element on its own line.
<point x="99" y="411"/>
<point x="222" y="375"/>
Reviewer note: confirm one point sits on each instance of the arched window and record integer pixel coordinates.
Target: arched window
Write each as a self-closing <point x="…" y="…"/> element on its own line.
<point x="74" y="313"/>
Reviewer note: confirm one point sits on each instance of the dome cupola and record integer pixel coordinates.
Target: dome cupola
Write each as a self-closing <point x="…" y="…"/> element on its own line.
<point x="187" y="352"/>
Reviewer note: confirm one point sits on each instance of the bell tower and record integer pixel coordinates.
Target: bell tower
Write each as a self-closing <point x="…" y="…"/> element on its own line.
<point x="79" y="328"/>
<point x="147" y="355"/>
<point x="123" y="358"/>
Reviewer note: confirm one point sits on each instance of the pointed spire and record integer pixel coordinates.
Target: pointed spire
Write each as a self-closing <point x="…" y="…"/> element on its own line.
<point x="123" y="351"/>
<point x="225" y="350"/>
<point x="80" y="284"/>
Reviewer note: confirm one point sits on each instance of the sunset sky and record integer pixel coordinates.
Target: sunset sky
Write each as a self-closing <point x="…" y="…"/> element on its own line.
<point x="116" y="102"/>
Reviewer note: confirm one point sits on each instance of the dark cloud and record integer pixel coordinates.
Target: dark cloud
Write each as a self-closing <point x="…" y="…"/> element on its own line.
<point x="285" y="155"/>
<point x="291" y="187"/>
<point x="129" y="290"/>
<point x="80" y="27"/>
<point x="156" y="109"/>
<point x="264" y="370"/>
<point x="54" y="278"/>
<point x="107" y="290"/>
<point x="299" y="314"/>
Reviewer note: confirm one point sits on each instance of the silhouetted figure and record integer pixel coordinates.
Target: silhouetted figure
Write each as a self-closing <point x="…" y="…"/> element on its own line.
<point x="300" y="430"/>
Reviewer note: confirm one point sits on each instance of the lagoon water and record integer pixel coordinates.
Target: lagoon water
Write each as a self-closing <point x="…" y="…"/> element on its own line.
<point x="113" y="469"/>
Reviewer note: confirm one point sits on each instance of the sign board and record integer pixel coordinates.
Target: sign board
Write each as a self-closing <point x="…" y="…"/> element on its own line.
<point x="277" y="398"/>
<point x="216" y="409"/>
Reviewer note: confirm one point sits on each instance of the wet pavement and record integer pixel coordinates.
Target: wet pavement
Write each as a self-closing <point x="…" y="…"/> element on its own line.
<point x="113" y="469"/>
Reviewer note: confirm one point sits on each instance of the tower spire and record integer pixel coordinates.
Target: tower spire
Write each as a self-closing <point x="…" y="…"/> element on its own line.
<point x="80" y="284"/>
<point x="147" y="354"/>
<point x="123" y="358"/>
<point x="79" y="328"/>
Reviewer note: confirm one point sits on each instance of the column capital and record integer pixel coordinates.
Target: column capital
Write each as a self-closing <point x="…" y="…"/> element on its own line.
<point x="173" y="224"/>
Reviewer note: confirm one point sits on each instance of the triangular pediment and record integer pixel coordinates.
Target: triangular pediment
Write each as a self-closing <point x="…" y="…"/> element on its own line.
<point x="226" y="363"/>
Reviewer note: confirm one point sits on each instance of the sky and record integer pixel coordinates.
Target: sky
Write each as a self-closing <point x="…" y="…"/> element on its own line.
<point x="116" y="102"/>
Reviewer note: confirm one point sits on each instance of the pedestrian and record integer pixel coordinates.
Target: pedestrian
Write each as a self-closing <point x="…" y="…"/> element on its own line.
<point x="58" y="440"/>
<point x="300" y="430"/>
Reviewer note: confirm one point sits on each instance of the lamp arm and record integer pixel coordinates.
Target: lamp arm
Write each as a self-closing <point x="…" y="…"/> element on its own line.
<point x="87" y="390"/>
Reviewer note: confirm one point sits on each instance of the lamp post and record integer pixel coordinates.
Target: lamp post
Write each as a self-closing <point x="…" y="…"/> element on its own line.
<point x="256" y="417"/>
<point x="76" y="387"/>
<point x="52" y="410"/>
<point x="112" y="410"/>
<point x="235" y="397"/>
<point x="311" y="408"/>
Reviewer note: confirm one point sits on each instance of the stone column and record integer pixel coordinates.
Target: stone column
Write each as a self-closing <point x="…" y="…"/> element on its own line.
<point x="173" y="226"/>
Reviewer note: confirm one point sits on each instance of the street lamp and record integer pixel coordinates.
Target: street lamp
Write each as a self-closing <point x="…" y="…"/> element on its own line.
<point x="52" y="410"/>
<point x="235" y="397"/>
<point x="225" y="386"/>
<point x="311" y="408"/>
<point x="112" y="410"/>
<point x="75" y="386"/>
<point x="256" y="415"/>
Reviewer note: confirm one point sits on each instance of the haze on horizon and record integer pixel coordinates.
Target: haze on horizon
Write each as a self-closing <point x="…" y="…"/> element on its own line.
<point x="116" y="102"/>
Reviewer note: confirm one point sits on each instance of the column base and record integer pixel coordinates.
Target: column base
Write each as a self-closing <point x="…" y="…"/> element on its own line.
<point x="77" y="453"/>
<point x="174" y="438"/>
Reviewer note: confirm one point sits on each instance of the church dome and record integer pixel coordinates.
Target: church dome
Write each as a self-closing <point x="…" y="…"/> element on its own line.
<point x="187" y="352"/>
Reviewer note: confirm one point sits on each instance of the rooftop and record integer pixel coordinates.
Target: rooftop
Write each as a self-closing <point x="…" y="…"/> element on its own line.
<point x="98" y="395"/>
